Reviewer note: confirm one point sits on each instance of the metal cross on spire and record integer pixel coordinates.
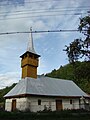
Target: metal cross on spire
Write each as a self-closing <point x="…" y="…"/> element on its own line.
<point x="30" y="46"/>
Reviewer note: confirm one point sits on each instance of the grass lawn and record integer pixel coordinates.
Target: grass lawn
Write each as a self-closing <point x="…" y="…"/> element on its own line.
<point x="61" y="115"/>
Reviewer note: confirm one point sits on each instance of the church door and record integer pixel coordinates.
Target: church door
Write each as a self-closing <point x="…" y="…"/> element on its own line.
<point x="59" y="105"/>
<point x="13" y="105"/>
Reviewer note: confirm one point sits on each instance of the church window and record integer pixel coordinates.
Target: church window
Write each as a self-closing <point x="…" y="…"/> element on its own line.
<point x="70" y="101"/>
<point x="39" y="102"/>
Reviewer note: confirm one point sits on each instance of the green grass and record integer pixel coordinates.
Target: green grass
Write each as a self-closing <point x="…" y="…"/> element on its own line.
<point x="61" y="115"/>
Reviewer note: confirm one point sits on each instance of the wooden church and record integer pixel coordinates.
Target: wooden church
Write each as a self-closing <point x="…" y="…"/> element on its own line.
<point x="38" y="93"/>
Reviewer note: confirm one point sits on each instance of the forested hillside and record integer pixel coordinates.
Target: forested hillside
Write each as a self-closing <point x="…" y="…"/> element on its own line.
<point x="4" y="91"/>
<point x="79" y="73"/>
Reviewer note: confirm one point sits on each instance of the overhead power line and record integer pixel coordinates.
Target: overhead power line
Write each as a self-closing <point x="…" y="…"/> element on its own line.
<point x="19" y="12"/>
<point x="56" y="8"/>
<point x="35" y="1"/>
<point x="27" y="2"/>
<point x="42" y="15"/>
<point x="44" y="31"/>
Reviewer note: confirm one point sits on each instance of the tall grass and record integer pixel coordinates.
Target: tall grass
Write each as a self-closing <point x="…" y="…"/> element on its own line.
<point x="46" y="115"/>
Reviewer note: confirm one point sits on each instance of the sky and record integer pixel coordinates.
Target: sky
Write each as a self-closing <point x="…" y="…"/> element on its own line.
<point x="19" y="16"/>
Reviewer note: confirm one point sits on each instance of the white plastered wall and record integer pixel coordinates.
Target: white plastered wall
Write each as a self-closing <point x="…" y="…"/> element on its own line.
<point x="31" y="103"/>
<point x="21" y="104"/>
<point x="8" y="104"/>
<point x="48" y="103"/>
<point x="67" y="105"/>
<point x="51" y="103"/>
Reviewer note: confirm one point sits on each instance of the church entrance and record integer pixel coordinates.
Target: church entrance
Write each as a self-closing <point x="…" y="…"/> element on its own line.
<point x="59" y="105"/>
<point x="13" y="105"/>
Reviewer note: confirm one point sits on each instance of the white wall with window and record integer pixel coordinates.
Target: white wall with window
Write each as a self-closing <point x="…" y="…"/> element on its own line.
<point x="36" y="103"/>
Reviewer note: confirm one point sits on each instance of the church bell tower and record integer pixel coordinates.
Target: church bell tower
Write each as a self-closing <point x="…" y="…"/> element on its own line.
<point x="29" y="61"/>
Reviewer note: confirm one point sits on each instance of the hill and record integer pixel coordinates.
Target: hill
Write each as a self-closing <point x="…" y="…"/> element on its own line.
<point x="4" y="91"/>
<point x="79" y="73"/>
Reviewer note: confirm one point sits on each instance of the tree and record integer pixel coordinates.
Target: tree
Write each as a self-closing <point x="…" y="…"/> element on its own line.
<point x="80" y="48"/>
<point x="74" y="50"/>
<point x="84" y="27"/>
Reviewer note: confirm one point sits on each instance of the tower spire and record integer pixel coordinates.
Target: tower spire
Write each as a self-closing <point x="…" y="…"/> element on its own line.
<point x="29" y="62"/>
<point x="30" y="46"/>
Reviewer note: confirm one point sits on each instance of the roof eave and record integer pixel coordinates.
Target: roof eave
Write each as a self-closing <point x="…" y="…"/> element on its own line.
<point x="29" y="53"/>
<point x="57" y="96"/>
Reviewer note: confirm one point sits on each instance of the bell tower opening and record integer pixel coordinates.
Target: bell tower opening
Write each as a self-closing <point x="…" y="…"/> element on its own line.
<point x="30" y="60"/>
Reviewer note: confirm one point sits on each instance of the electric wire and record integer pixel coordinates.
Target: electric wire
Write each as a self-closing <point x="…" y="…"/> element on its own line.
<point x="61" y="9"/>
<point x="41" y="11"/>
<point x="44" y="31"/>
<point x="27" y="2"/>
<point x="42" y="15"/>
<point x="9" y="3"/>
